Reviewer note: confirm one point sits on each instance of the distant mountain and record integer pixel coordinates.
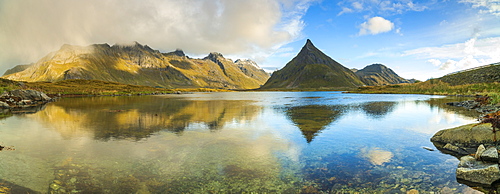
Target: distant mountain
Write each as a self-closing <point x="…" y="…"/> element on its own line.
<point x="484" y="74"/>
<point x="141" y="65"/>
<point x="312" y="69"/>
<point x="378" y="74"/>
<point x="17" y="68"/>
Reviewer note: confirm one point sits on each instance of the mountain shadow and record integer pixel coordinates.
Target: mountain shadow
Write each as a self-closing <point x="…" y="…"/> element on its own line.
<point x="312" y="119"/>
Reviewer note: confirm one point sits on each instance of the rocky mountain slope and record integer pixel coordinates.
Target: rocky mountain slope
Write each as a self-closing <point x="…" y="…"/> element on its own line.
<point x="312" y="69"/>
<point x="141" y="65"/>
<point x="378" y="74"/>
<point x="484" y="74"/>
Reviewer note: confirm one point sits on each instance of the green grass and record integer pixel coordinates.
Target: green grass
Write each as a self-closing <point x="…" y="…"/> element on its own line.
<point x="437" y="87"/>
<point x="91" y="87"/>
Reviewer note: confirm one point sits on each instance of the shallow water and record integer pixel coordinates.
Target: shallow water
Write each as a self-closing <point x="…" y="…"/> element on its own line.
<point x="275" y="142"/>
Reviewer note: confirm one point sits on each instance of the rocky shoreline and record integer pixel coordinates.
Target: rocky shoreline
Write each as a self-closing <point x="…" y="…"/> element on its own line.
<point x="475" y="145"/>
<point x="22" y="101"/>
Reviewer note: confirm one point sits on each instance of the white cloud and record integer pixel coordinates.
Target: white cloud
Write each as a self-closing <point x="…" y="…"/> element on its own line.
<point x="29" y="29"/>
<point x="471" y="53"/>
<point x="486" y="6"/>
<point x="376" y="25"/>
<point x="382" y="7"/>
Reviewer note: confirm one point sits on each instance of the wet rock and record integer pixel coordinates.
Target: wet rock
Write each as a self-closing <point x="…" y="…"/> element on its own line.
<point x="455" y="149"/>
<point x="490" y="155"/>
<point x="470" y="169"/>
<point x="466" y="137"/>
<point x="479" y="151"/>
<point x="30" y="95"/>
<point x="4" y="105"/>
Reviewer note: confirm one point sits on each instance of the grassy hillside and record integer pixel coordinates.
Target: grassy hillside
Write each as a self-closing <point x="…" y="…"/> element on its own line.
<point x="378" y="74"/>
<point x="437" y="87"/>
<point x="485" y="74"/>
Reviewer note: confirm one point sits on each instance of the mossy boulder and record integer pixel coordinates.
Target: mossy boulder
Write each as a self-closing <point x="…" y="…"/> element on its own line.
<point x="465" y="139"/>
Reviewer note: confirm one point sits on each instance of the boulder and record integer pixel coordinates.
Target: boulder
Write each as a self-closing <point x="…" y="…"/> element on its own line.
<point x="32" y="95"/>
<point x="490" y="155"/>
<point x="467" y="137"/>
<point x="4" y="105"/>
<point x="479" y="151"/>
<point x="454" y="149"/>
<point x="469" y="169"/>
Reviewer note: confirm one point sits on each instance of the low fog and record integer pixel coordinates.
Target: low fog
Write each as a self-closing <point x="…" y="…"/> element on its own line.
<point x="30" y="29"/>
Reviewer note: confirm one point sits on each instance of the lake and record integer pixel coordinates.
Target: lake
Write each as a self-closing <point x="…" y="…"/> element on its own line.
<point x="235" y="142"/>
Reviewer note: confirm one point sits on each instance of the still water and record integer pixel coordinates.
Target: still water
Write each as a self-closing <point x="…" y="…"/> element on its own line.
<point x="274" y="142"/>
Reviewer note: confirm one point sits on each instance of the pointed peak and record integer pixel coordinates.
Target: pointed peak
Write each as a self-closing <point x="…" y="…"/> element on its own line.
<point x="309" y="42"/>
<point x="309" y="47"/>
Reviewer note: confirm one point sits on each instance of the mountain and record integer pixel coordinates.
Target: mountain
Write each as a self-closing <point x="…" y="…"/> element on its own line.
<point x="17" y="68"/>
<point x="141" y="65"/>
<point x="378" y="74"/>
<point x="483" y="74"/>
<point x="312" y="69"/>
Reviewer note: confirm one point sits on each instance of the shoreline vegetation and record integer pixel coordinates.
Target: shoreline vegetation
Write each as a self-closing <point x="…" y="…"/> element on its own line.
<point x="437" y="87"/>
<point x="81" y="87"/>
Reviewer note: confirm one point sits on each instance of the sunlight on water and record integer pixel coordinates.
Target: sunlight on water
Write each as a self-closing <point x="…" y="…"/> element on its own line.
<point x="277" y="142"/>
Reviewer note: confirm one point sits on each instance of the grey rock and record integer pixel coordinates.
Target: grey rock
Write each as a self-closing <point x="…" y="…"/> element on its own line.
<point x="490" y="155"/>
<point x="455" y="149"/>
<point x="479" y="151"/>
<point x="4" y="94"/>
<point x="30" y="95"/>
<point x="470" y="169"/>
<point x="4" y="105"/>
<point x="467" y="137"/>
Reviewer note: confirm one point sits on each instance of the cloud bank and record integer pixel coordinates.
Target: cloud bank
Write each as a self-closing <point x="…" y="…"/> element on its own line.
<point x="29" y="29"/>
<point x="382" y="7"/>
<point x="453" y="57"/>
<point x="486" y="6"/>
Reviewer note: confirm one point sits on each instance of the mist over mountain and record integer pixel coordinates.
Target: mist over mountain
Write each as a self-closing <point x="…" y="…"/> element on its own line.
<point x="141" y="65"/>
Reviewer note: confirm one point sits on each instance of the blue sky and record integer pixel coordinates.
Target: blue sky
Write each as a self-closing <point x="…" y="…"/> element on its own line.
<point x="417" y="39"/>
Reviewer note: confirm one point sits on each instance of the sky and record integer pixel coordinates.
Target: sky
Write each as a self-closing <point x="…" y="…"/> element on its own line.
<point x="417" y="39"/>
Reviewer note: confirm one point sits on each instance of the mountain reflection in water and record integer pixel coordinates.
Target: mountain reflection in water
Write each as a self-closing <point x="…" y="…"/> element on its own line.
<point x="241" y="142"/>
<point x="138" y="118"/>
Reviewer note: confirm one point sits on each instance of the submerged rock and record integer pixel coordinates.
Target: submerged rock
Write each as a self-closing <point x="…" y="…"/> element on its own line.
<point x="470" y="169"/>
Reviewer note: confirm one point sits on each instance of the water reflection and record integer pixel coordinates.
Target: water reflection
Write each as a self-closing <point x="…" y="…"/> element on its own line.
<point x="378" y="110"/>
<point x="137" y="118"/>
<point x="376" y="156"/>
<point x="311" y="119"/>
<point x="232" y="143"/>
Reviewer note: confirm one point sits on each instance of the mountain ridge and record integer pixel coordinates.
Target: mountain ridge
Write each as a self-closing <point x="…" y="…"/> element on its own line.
<point x="139" y="64"/>
<point x="379" y="74"/>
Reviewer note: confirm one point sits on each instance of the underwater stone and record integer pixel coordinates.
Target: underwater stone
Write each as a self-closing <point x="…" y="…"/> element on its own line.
<point x="470" y="169"/>
<point x="54" y="186"/>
